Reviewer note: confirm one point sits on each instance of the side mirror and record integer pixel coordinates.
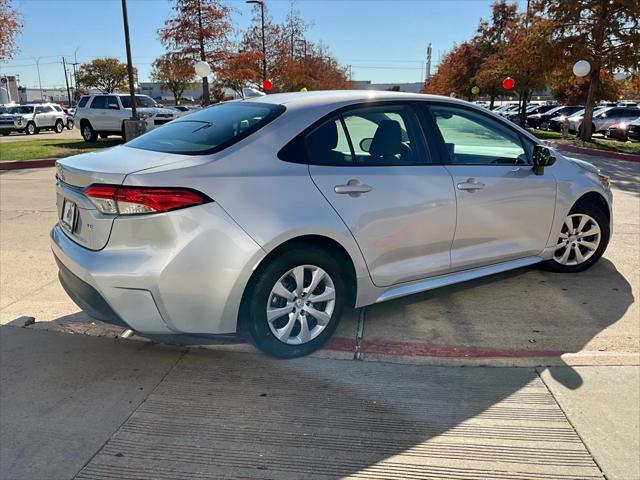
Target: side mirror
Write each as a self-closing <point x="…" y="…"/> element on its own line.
<point x="365" y="144"/>
<point x="542" y="158"/>
<point x="113" y="106"/>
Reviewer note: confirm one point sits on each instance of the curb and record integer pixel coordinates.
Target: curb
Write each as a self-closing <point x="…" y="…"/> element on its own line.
<point x="629" y="157"/>
<point x="25" y="164"/>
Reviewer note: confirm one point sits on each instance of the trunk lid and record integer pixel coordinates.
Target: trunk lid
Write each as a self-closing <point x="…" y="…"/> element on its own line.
<point x="84" y="224"/>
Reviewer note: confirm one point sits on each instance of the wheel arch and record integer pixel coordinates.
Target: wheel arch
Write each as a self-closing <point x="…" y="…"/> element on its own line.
<point x="594" y="198"/>
<point x="329" y="245"/>
<point x="326" y="243"/>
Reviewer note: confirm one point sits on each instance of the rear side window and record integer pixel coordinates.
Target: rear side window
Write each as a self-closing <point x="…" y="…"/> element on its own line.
<point x="328" y="144"/>
<point x="99" y="102"/>
<point x="209" y="130"/>
<point x="83" y="101"/>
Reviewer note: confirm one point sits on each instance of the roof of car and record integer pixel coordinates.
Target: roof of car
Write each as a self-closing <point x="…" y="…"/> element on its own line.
<point x="327" y="97"/>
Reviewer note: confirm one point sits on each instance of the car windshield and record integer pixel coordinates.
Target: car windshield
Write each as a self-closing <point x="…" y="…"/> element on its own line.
<point x="22" y="109"/>
<point x="141" y="101"/>
<point x="209" y="130"/>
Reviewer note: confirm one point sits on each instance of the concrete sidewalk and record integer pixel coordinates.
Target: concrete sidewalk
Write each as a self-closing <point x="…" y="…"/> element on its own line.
<point x="103" y="408"/>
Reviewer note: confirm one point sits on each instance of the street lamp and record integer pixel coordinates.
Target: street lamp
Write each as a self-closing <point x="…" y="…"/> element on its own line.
<point x="264" y="45"/>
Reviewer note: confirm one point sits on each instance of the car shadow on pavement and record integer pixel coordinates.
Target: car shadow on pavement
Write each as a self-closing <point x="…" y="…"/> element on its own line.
<point x="513" y="315"/>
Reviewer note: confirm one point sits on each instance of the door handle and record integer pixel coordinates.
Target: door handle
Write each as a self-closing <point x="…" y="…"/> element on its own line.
<point x="353" y="188"/>
<point x="471" y="185"/>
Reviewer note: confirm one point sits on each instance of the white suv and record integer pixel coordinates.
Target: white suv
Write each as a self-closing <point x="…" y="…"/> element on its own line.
<point x="103" y="114"/>
<point x="32" y="118"/>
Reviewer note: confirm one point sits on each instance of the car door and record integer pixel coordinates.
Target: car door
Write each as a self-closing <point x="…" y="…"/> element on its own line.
<point x="373" y="166"/>
<point x="40" y="117"/>
<point x="504" y="210"/>
<point x="97" y="112"/>
<point x="112" y="115"/>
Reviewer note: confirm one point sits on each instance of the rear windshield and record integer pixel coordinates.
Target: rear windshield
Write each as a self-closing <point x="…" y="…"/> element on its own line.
<point x="209" y="130"/>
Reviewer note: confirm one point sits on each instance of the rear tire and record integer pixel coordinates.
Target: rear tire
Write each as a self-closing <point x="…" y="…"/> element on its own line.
<point x="576" y="251"/>
<point x="304" y="325"/>
<point x="88" y="133"/>
<point x="59" y="127"/>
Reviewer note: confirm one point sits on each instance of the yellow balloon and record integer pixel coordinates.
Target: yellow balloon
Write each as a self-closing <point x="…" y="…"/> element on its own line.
<point x="303" y="89"/>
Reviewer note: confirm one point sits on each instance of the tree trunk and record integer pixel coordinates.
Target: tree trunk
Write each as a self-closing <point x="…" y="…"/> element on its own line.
<point x="491" y="102"/>
<point x="523" y="111"/>
<point x="587" y="120"/>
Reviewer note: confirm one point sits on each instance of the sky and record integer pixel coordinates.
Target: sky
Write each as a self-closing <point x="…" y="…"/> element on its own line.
<point x="384" y="41"/>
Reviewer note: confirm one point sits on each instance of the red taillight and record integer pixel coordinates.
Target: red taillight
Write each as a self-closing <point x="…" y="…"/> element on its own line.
<point x="134" y="200"/>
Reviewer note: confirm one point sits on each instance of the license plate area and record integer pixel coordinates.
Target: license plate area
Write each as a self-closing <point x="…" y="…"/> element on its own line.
<point x="69" y="215"/>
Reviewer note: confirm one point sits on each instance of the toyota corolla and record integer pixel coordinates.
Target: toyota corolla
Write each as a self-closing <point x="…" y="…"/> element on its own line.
<point x="272" y="215"/>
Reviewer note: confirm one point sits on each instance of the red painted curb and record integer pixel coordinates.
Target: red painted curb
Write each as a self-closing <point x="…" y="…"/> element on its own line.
<point x="629" y="157"/>
<point x="20" y="165"/>
<point x="411" y="349"/>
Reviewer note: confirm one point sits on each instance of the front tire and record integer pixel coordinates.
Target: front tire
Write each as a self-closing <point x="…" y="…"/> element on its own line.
<point x="59" y="127"/>
<point x="293" y="304"/>
<point x="31" y="129"/>
<point x="582" y="241"/>
<point x="88" y="133"/>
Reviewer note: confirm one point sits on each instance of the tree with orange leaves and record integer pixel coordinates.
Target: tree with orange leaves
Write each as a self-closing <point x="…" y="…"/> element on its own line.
<point x="10" y="27"/>
<point x="174" y="73"/>
<point x="199" y="31"/>
<point x="238" y="70"/>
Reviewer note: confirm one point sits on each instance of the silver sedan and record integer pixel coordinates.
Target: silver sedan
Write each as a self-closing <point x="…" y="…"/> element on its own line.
<point x="271" y="215"/>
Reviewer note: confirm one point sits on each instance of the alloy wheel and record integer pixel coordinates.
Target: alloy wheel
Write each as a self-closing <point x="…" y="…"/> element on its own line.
<point x="86" y="132"/>
<point x="579" y="239"/>
<point x="301" y="304"/>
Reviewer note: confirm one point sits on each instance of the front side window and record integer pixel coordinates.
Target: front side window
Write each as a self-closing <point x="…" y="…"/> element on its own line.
<point x="112" y="100"/>
<point x="209" y="130"/>
<point x="57" y="108"/>
<point x="99" y="102"/>
<point x="141" y="101"/>
<point x="83" y="101"/>
<point x="474" y="139"/>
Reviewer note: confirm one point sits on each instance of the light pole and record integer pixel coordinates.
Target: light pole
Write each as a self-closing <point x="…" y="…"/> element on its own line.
<point x="264" y="44"/>
<point x="37" y="60"/>
<point x="132" y="91"/>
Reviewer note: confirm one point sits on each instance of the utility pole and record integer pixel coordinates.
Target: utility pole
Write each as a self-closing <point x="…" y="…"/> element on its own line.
<point x="66" y="80"/>
<point x="203" y="57"/>
<point x="132" y="92"/>
<point x="427" y="74"/>
<point x="37" y="60"/>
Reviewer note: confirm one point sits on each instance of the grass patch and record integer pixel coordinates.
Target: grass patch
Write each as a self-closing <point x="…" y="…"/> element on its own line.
<point x="545" y="134"/>
<point x="609" y="145"/>
<point x="595" y="143"/>
<point x="37" y="149"/>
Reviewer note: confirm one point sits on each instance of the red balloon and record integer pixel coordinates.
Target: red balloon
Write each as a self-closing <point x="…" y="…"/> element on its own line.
<point x="267" y="85"/>
<point x="508" y="83"/>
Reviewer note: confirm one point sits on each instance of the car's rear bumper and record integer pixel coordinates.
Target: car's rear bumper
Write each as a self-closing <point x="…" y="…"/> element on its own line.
<point x="178" y="272"/>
